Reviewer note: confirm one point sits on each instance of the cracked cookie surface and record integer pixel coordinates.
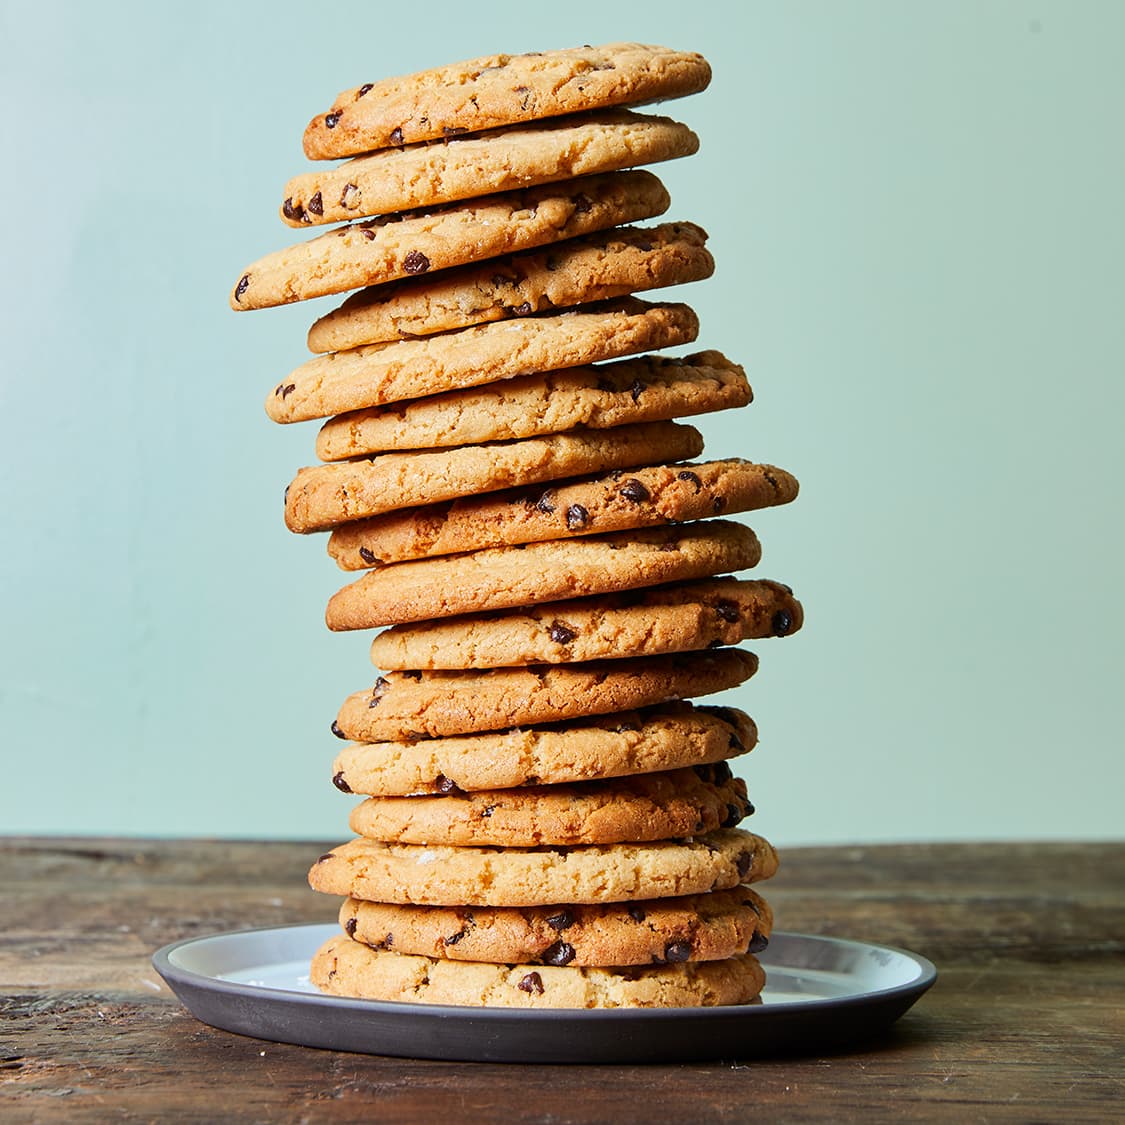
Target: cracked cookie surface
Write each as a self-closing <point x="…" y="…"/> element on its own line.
<point x="596" y="267"/>
<point x="654" y="806"/>
<point x="400" y="245"/>
<point x="554" y="570"/>
<point x="665" y="737"/>
<point x="562" y="510"/>
<point x="409" y="705"/>
<point x="705" y="927"/>
<point x="592" y="873"/>
<point x="499" y="89"/>
<point x="645" y="622"/>
<point x="322" y="496"/>
<point x="344" y="967"/>
<point x="646" y="388"/>
<point x="376" y="374"/>
<point x="437" y="172"/>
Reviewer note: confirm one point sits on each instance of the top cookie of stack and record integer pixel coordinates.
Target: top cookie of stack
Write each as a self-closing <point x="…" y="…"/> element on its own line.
<point x="501" y="460"/>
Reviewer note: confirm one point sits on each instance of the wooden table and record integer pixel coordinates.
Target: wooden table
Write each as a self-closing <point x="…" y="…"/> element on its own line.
<point x="1026" y="1022"/>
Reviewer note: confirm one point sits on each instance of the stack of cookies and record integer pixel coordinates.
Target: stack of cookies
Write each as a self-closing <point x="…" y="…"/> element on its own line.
<point x="547" y="821"/>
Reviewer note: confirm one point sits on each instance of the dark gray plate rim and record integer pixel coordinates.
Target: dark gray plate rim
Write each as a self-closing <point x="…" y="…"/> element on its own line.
<point x="555" y="1035"/>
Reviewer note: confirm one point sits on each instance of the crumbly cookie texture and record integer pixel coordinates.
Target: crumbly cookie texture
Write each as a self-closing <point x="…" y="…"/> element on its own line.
<point x="343" y="967"/>
<point x="593" y="268"/>
<point x="437" y="172"/>
<point x="644" y="497"/>
<point x="671" y="736"/>
<point x="647" y="388"/>
<point x="705" y="927"/>
<point x="594" y="873"/>
<point x="325" y="495"/>
<point x="653" y="806"/>
<point x="430" y="239"/>
<point x="407" y="705"/>
<point x="380" y="373"/>
<point x="505" y="577"/>
<point x="500" y="89"/>
<point x="646" y="622"/>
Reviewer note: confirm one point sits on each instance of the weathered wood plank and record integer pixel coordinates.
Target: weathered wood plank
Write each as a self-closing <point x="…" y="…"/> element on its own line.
<point x="1026" y="1022"/>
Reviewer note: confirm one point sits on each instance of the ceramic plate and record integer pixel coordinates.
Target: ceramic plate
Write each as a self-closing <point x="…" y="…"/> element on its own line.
<point x="821" y="991"/>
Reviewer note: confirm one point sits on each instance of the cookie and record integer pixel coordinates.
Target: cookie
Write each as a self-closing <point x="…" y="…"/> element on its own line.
<point x="496" y="90"/>
<point x="594" y="873"/>
<point x="647" y="388"/>
<point x="325" y="495"/>
<point x="380" y="373"/>
<point x="594" y="268"/>
<point x="668" y="737"/>
<point x="505" y="577"/>
<point x="663" y="619"/>
<point x="408" y="705"/>
<point x="431" y="239"/>
<point x="668" y="494"/>
<point x="522" y="156"/>
<point x="707" y="927"/>
<point x="651" y="806"/>
<point x="343" y="967"/>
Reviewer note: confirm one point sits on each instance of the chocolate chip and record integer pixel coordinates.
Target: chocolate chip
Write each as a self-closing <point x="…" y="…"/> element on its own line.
<point x="677" y="951"/>
<point x="686" y="475"/>
<point x="453" y="939"/>
<point x="758" y="942"/>
<point x="705" y="773"/>
<point x="335" y="728"/>
<point x="241" y="287"/>
<point x="316" y="204"/>
<point x="388" y="941"/>
<point x="487" y="811"/>
<point x="633" y="490"/>
<point x="721" y="773"/>
<point x="396" y="135"/>
<point x="561" y="921"/>
<point x="753" y="906"/>
<point x="348" y="197"/>
<point x="444" y="785"/>
<point x="291" y="211"/>
<point x="369" y="234"/>
<point x="412" y="674"/>
<point x="636" y="389"/>
<point x="288" y="389"/>
<point x="744" y="862"/>
<point x="349" y="927"/>
<point x="324" y="858"/>
<point x="501" y="279"/>
<point x="367" y="555"/>
<point x="364" y="88"/>
<point x="636" y="913"/>
<point x="546" y="503"/>
<point x="561" y="953"/>
<point x="576" y="517"/>
<point x="453" y="130"/>
<point x="377" y="692"/>
<point x="340" y="783"/>
<point x="331" y="119"/>
<point x="415" y="262"/>
<point x="561" y="634"/>
<point x="782" y="622"/>
<point x="524" y="309"/>
<point x="582" y="203"/>
<point x="734" y="815"/>
<point x="645" y="246"/>
<point x="727" y="610"/>
<point x="748" y="808"/>
<point x="532" y="984"/>
<point x="527" y="99"/>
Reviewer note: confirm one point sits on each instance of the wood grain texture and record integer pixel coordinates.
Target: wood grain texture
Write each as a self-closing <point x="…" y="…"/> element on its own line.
<point x="1025" y="1023"/>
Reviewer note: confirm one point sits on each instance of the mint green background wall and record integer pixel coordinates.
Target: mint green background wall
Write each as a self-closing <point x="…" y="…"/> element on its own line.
<point x="917" y="213"/>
